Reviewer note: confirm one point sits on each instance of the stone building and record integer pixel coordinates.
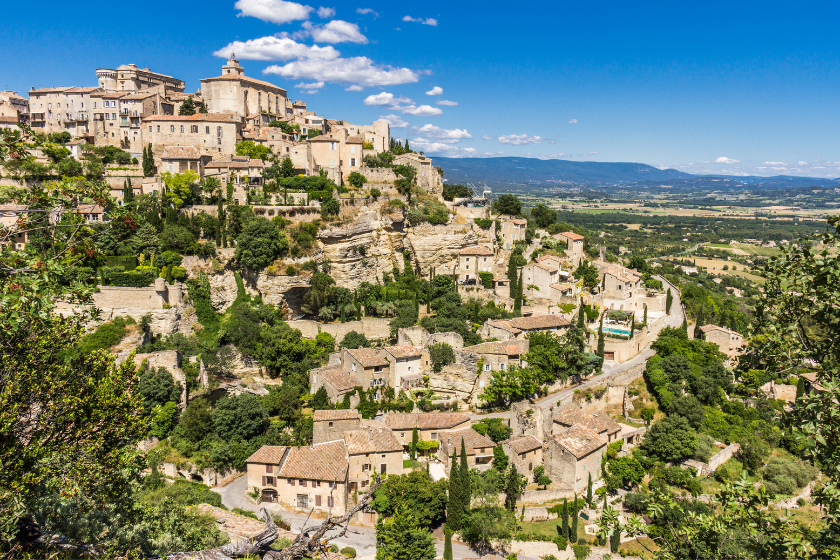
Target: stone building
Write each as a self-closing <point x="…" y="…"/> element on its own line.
<point x="498" y="356"/>
<point x="9" y="216"/>
<point x="13" y="105"/>
<point x="472" y="260"/>
<point x="428" y="177"/>
<point x="370" y="368"/>
<point x="335" y="381"/>
<point x="61" y="109"/>
<point x="574" y="246"/>
<point x="525" y="452"/>
<point x="177" y="159"/>
<point x="479" y="448"/>
<point x="127" y="77"/>
<point x="540" y="278"/>
<point x="598" y="422"/>
<point x="405" y="366"/>
<point x="313" y="477"/>
<point x="430" y="425"/>
<point x="372" y="451"/>
<point x="572" y="455"/>
<point x="11" y="121"/>
<point x="517" y="328"/>
<point x="728" y="341"/>
<point x="233" y="93"/>
<point x="330" y="425"/>
<point x="242" y="172"/>
<point x="337" y="153"/>
<point x="207" y="132"/>
<point x="512" y="230"/>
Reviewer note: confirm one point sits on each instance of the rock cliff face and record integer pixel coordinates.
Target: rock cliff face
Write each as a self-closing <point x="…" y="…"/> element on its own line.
<point x="458" y="378"/>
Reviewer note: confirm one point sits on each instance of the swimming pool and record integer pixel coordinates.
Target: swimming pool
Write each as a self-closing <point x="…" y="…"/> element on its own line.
<point x="613" y="330"/>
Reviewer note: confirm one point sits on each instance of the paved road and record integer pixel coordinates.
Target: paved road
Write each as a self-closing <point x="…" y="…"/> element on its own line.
<point x="360" y="537"/>
<point x="675" y="319"/>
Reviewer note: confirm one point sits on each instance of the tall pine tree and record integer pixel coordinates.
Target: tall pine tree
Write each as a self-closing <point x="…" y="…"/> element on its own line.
<point x="589" y="491"/>
<point x="466" y="494"/>
<point x="573" y="530"/>
<point x="513" y="489"/>
<point x="202" y="107"/>
<point x="517" y="299"/>
<point x="600" y="350"/>
<point x="128" y="192"/>
<point x="455" y="507"/>
<point x="669" y="299"/>
<point x="187" y="107"/>
<point x="148" y="162"/>
<point x="564" y="530"/>
<point x="415" y="439"/>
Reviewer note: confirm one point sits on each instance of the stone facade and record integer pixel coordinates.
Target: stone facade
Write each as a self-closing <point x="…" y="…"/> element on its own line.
<point x="233" y="93"/>
<point x="512" y="230"/>
<point x="61" y="109"/>
<point x="574" y="246"/>
<point x="206" y="132"/>
<point x="525" y="452"/>
<point x="330" y="425"/>
<point x="428" y="177"/>
<point x="127" y="77"/>
<point x="572" y="455"/>
<point x="728" y="341"/>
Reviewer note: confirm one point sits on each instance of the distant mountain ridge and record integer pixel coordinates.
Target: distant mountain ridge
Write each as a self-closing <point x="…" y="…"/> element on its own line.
<point x="524" y="172"/>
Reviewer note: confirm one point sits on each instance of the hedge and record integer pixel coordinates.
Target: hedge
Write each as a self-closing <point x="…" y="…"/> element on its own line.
<point x="134" y="278"/>
<point x="486" y="279"/>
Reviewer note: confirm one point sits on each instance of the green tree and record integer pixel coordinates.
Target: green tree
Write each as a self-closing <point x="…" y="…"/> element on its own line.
<point x="669" y="300"/>
<point x="287" y="168"/>
<point x="600" y="350"/>
<point x="447" y="544"/>
<point x="540" y="477"/>
<point x="564" y="526"/>
<point x="500" y="459"/>
<point x="330" y="208"/>
<point x="179" y="187"/>
<point x="321" y="401"/>
<point x="670" y="439"/>
<point x="354" y="339"/>
<point x="623" y="471"/>
<point x="589" y="491"/>
<point x="128" y="192"/>
<point x="573" y="531"/>
<point x="399" y="537"/>
<point x="510" y="385"/>
<point x="253" y="150"/>
<point x="406" y="184"/>
<point x="196" y="421"/>
<point x="466" y="497"/>
<point x="494" y="428"/>
<point x="416" y="492"/>
<point x="513" y="489"/>
<point x="259" y="244"/>
<point x="164" y="419"/>
<point x="487" y="526"/>
<point x="356" y="179"/>
<point x="283" y="401"/>
<point x="517" y="299"/>
<point x="158" y="388"/>
<point x="587" y="273"/>
<point x="441" y="354"/>
<point x="148" y="162"/>
<point x="187" y="107"/>
<point x="240" y="417"/>
<point x="508" y="204"/>
<point x="543" y="215"/>
<point x="202" y="107"/>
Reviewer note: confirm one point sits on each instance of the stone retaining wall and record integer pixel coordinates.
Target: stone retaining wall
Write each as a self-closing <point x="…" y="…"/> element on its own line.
<point x="371" y="327"/>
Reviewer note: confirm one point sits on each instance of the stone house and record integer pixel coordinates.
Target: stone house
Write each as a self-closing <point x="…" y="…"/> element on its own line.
<point x="207" y="132"/>
<point x="517" y="328"/>
<point x="92" y="213"/>
<point x="405" y="366"/>
<point x="598" y="422"/>
<point x="369" y="451"/>
<point x="479" y="448"/>
<point x="540" y="277"/>
<point x="512" y="230"/>
<point x="369" y="367"/>
<point x="313" y="477"/>
<point x="335" y="380"/>
<point x="428" y="177"/>
<point x="13" y="105"/>
<point x="177" y="159"/>
<point x="9" y="216"/>
<point x="430" y="425"/>
<point x="728" y="341"/>
<point x="525" y="452"/>
<point x="337" y="153"/>
<point x="574" y="245"/>
<point x="498" y="356"/>
<point x="619" y="283"/>
<point x="233" y="93"/>
<point x="472" y="260"/>
<point x="572" y="455"/>
<point x="10" y="121"/>
<point x="242" y="171"/>
<point x="330" y="425"/>
<point x="127" y="77"/>
<point x="61" y="109"/>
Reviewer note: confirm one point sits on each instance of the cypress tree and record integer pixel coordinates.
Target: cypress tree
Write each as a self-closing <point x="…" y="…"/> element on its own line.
<point x="148" y="161"/>
<point x="589" y="490"/>
<point x="414" y="439"/>
<point x="800" y="388"/>
<point x="454" y="506"/>
<point x="565" y="527"/>
<point x="632" y="324"/>
<point x="202" y="107"/>
<point x="697" y="332"/>
<point x="512" y="489"/>
<point x="600" y="350"/>
<point x="466" y="494"/>
<point x="517" y="300"/>
<point x="511" y="274"/>
<point x="645" y="319"/>
<point x="685" y="325"/>
<point x="447" y="544"/>
<point x="615" y="540"/>
<point x="574" y="528"/>
<point x="580" y="322"/>
<point x="669" y="299"/>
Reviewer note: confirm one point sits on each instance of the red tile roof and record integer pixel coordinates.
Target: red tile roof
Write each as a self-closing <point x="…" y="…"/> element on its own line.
<point x="180" y="152"/>
<point x="507" y="348"/>
<point x="341" y="380"/>
<point x="271" y="454"/>
<point x="345" y="414"/>
<point x="451" y="442"/>
<point x="523" y="444"/>
<point x="597" y="422"/>
<point x="371" y="440"/>
<point x="476" y="250"/>
<point x="426" y="420"/>
<point x="404" y="351"/>
<point x="580" y="441"/>
<point x="539" y="322"/>
<point x="572" y="235"/>
<point x="323" y="461"/>
<point x="368" y="357"/>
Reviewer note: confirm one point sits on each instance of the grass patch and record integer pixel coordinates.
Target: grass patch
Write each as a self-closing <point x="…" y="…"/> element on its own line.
<point x="644" y="549"/>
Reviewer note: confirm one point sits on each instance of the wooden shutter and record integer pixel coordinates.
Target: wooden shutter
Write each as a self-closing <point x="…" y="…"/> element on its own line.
<point x="263" y="481"/>
<point x="318" y="500"/>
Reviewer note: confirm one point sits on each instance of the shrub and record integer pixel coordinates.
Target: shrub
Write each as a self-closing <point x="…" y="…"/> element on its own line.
<point x="375" y="193"/>
<point x="134" y="279"/>
<point x="486" y="279"/>
<point x="786" y="477"/>
<point x="483" y="223"/>
<point x="349" y="552"/>
<point x="582" y="540"/>
<point x="581" y="551"/>
<point x="244" y="513"/>
<point x="291" y="270"/>
<point x="561" y="542"/>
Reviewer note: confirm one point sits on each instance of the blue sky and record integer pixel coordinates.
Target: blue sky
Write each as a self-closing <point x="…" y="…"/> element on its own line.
<point x="704" y="87"/>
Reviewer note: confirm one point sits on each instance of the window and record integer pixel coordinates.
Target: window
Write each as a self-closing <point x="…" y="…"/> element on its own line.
<point x="206" y="130"/>
<point x="150" y="128"/>
<point x="94" y="104"/>
<point x="501" y="367"/>
<point x="486" y="367"/>
<point x="365" y="467"/>
<point x="171" y="128"/>
<point x="268" y="481"/>
<point x="333" y="146"/>
<point x="352" y="162"/>
<point x="182" y="129"/>
<point x="352" y="149"/>
<point x="194" y="129"/>
<point x="316" y="484"/>
<point x="434" y="436"/>
<point x="331" y="425"/>
<point x="383" y="468"/>
<point x="318" y="500"/>
<point x="158" y="128"/>
<point x="402" y="434"/>
<point x="302" y="483"/>
<point x="218" y="131"/>
<point x="107" y="116"/>
<point x="291" y="482"/>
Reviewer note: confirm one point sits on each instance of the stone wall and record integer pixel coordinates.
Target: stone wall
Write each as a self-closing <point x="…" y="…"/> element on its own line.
<point x="371" y="327"/>
<point x="414" y="336"/>
<point x="150" y="298"/>
<point x="378" y="174"/>
<point x="723" y="456"/>
<point x="458" y="379"/>
<point x="208" y="476"/>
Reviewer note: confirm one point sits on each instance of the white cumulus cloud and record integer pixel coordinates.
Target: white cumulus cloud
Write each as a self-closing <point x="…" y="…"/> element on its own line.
<point x="384" y="98"/>
<point x="354" y="88"/>
<point x="446" y="103"/>
<point x="313" y="85"/>
<point x="727" y="160"/>
<point x="325" y="13"/>
<point x="395" y="121"/>
<point x="437" y="90"/>
<point x="422" y="110"/>
<point x="573" y="121"/>
<point x="275" y="48"/>
<point x="520" y="139"/>
<point x="442" y="134"/>
<point x="274" y="11"/>
<point x="485" y="137"/>
<point x="441" y="148"/>
<point x="336" y="31"/>
<point x="365" y="11"/>
<point x="775" y="163"/>
<point x="428" y="21"/>
<point x="358" y="70"/>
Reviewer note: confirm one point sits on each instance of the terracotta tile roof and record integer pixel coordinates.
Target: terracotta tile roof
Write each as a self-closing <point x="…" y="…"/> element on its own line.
<point x="539" y="322"/>
<point x="472" y="441"/>
<point x="405" y="351"/>
<point x="180" y="152"/>
<point x="236" y="162"/>
<point x="111" y="95"/>
<point x="324" y="461"/>
<point x="271" y="454"/>
<point x="506" y="348"/>
<point x="517" y="221"/>
<point x="355" y="140"/>
<point x="708" y="328"/>
<point x="241" y="78"/>
<point x="345" y="414"/>
<point x="368" y="357"/>
<point x="477" y="250"/>
<point x="524" y="444"/>
<point x="89" y="209"/>
<point x="9" y="120"/>
<point x="547" y="266"/>
<point x="554" y="258"/>
<point x="505" y="324"/>
<point x="50" y="90"/>
<point x="579" y="440"/>
<point x="571" y="235"/>
<point x="207" y="117"/>
<point x="371" y="440"/>
<point x="599" y="423"/>
<point x="341" y="380"/>
<point x="623" y="274"/>
<point x="140" y="95"/>
<point x="426" y="420"/>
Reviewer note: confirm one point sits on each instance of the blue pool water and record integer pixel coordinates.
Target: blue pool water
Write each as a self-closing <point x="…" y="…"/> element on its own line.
<point x="612" y="330"/>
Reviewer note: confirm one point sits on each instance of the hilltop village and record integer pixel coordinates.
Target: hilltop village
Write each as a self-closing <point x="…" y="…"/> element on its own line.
<point x="310" y="305"/>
